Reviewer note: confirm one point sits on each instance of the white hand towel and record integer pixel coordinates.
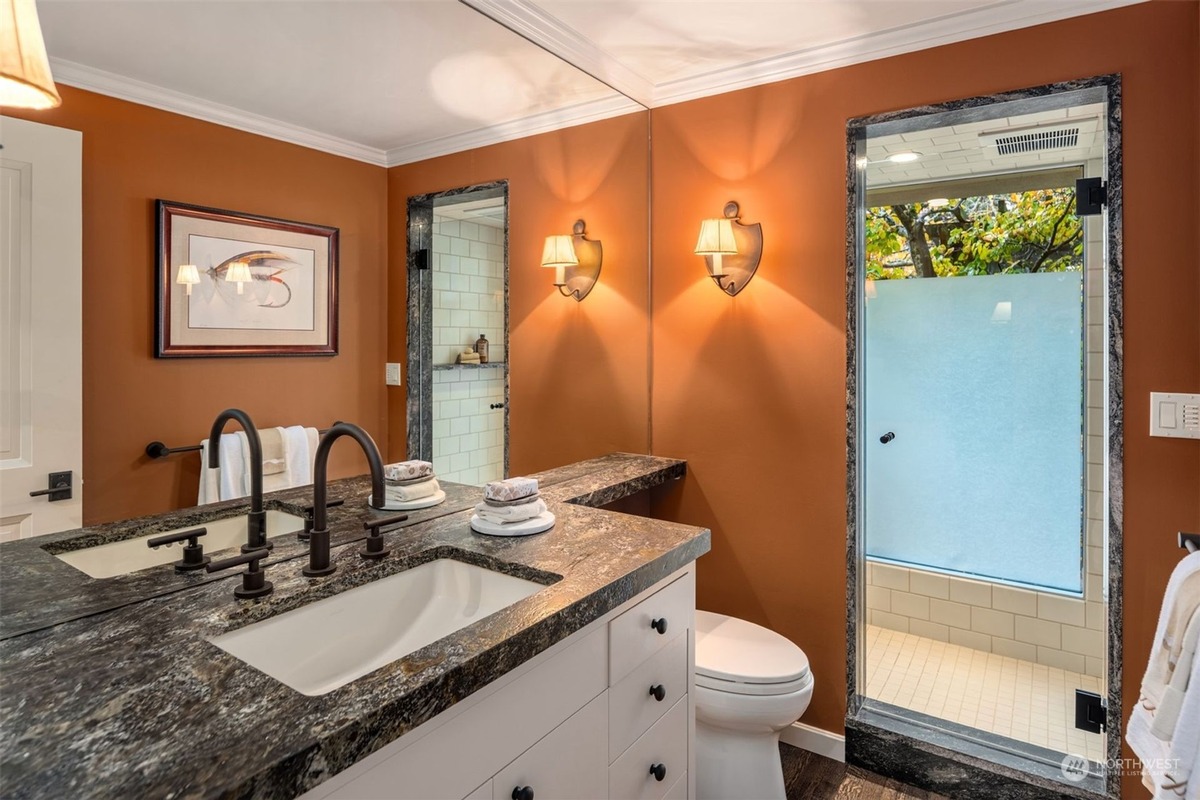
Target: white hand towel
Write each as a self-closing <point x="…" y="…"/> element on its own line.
<point x="413" y="491"/>
<point x="1168" y="713"/>
<point x="504" y="515"/>
<point x="314" y="439"/>
<point x="298" y="455"/>
<point x="1150" y="750"/>
<point x="1158" y="670"/>
<point x="210" y="491"/>
<point x="1181" y="777"/>
<point x="234" y="480"/>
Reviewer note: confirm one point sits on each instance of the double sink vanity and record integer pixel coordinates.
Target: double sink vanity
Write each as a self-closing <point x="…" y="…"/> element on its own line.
<point x="458" y="665"/>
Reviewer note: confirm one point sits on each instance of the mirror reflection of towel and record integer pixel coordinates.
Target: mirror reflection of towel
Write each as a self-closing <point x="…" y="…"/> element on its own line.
<point x="273" y="451"/>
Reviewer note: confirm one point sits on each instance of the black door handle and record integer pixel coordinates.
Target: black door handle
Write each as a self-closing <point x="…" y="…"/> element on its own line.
<point x="58" y="487"/>
<point x="887" y="437"/>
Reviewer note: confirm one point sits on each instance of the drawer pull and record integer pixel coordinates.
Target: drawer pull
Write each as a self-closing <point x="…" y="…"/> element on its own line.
<point x="659" y="625"/>
<point x="658" y="692"/>
<point x="659" y="771"/>
<point x="523" y="793"/>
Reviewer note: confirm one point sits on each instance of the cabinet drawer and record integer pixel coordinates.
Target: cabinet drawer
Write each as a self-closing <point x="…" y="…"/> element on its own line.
<point x="568" y="764"/>
<point x="666" y="743"/>
<point x="452" y="760"/>
<point x="632" y="708"/>
<point x="482" y="793"/>
<point x="632" y="639"/>
<point x="678" y="790"/>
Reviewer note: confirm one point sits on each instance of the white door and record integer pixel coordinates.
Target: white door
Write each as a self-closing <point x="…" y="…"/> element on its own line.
<point x="41" y="359"/>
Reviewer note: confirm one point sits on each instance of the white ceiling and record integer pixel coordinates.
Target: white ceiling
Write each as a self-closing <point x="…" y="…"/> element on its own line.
<point x="956" y="151"/>
<point x="395" y="81"/>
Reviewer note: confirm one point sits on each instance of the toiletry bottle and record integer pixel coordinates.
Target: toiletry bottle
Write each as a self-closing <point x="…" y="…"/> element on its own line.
<point x="481" y="347"/>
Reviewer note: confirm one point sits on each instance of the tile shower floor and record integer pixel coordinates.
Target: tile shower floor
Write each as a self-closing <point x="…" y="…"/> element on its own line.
<point x="1005" y="696"/>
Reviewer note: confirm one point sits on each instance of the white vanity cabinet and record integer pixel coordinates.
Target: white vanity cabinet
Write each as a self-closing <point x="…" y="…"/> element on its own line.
<point x="607" y="712"/>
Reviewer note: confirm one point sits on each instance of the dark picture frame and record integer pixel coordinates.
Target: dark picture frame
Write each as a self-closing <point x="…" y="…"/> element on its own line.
<point x="287" y="304"/>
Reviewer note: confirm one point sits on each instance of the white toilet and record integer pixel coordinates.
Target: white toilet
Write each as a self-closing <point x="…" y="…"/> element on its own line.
<point x="751" y="683"/>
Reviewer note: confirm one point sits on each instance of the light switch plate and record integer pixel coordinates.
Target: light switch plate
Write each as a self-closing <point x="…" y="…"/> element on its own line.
<point x="1174" y="415"/>
<point x="393" y="374"/>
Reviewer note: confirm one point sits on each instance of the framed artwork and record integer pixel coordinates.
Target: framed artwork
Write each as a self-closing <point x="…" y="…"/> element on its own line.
<point x="233" y="284"/>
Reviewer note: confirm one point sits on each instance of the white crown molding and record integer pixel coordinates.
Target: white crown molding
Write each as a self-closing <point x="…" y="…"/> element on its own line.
<point x="147" y="94"/>
<point x="591" y="111"/>
<point x="527" y="20"/>
<point x="997" y="18"/>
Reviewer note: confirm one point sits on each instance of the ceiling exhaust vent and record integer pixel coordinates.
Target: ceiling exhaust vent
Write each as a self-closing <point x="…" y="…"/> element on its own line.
<point x="1019" y="141"/>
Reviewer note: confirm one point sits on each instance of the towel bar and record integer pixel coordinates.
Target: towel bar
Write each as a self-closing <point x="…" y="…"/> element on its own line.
<point x="160" y="450"/>
<point x="1189" y="541"/>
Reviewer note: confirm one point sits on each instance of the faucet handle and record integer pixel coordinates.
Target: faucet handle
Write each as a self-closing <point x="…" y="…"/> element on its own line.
<point x="309" y="510"/>
<point x="375" y="548"/>
<point x="193" y="551"/>
<point x="254" y="579"/>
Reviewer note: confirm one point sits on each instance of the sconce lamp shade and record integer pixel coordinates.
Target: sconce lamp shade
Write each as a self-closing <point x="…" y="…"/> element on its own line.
<point x="559" y="251"/>
<point x="239" y="271"/>
<point x="188" y="275"/>
<point x="25" y="80"/>
<point x="716" y="238"/>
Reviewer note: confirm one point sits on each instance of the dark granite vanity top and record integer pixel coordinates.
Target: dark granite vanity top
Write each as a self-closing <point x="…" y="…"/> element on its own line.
<point x="135" y="702"/>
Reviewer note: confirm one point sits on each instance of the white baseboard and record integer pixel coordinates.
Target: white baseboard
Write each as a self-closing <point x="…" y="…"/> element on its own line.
<point x="815" y="740"/>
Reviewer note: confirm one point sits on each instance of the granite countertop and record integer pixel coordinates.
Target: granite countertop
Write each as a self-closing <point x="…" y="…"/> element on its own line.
<point x="38" y="590"/>
<point x="135" y="702"/>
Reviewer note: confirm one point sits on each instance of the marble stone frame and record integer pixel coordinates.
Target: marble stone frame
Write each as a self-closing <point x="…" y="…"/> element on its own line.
<point x="936" y="759"/>
<point x="420" y="314"/>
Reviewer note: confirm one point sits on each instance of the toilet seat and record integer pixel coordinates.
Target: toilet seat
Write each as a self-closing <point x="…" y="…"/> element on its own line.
<point x="739" y="657"/>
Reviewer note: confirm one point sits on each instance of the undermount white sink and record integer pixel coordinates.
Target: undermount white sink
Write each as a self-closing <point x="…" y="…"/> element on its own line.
<point x="131" y="555"/>
<point x="324" y="645"/>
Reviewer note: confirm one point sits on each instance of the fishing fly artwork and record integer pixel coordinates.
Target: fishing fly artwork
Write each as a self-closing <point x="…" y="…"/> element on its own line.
<point x="246" y="287"/>
<point x="232" y="284"/>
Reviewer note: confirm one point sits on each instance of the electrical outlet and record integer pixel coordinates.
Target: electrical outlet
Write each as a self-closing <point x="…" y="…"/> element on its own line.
<point x="393" y="374"/>
<point x="1175" y="415"/>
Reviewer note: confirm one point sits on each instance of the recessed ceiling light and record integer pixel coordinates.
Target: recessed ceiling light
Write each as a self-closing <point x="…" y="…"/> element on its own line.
<point x="903" y="158"/>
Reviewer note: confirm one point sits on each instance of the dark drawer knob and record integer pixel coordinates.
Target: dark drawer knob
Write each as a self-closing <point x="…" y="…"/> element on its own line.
<point x="659" y="771"/>
<point x="887" y="437"/>
<point x="523" y="793"/>
<point x="659" y="624"/>
<point x="658" y="692"/>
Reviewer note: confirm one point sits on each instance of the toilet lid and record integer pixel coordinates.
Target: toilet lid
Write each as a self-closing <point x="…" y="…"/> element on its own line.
<point x="734" y="651"/>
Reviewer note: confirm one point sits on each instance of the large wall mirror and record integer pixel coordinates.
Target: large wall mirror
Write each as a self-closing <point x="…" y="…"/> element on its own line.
<point x="986" y="423"/>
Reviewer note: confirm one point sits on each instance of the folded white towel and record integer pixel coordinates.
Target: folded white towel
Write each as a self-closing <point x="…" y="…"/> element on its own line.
<point x="210" y="490"/>
<point x="1158" y="670"/>
<point x="506" y="515"/>
<point x="298" y="454"/>
<point x="412" y="491"/>
<point x="1181" y="779"/>
<point x="510" y="489"/>
<point x="408" y="470"/>
<point x="1150" y="750"/>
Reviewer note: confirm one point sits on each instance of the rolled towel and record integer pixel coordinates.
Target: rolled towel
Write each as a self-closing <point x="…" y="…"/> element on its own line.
<point x="408" y="470"/>
<point x="413" y="491"/>
<point x="510" y="489"/>
<point x="507" y="515"/>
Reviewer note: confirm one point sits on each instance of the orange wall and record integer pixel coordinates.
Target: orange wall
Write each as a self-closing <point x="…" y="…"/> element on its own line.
<point x="577" y="371"/>
<point x="132" y="155"/>
<point x="751" y="391"/>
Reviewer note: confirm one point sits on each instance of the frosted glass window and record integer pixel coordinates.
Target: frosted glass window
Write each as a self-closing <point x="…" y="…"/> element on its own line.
<point x="981" y="381"/>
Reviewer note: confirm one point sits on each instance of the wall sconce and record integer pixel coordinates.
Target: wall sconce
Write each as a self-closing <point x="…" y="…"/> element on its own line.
<point x="189" y="276"/>
<point x="25" y="80"/>
<point x="239" y="271"/>
<point x="731" y="250"/>
<point x="576" y="261"/>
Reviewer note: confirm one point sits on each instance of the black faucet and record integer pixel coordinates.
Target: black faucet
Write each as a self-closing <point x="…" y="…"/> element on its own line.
<point x="318" y="538"/>
<point x="256" y="534"/>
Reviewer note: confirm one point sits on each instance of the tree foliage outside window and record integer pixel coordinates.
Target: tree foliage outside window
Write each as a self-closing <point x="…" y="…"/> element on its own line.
<point x="1021" y="232"/>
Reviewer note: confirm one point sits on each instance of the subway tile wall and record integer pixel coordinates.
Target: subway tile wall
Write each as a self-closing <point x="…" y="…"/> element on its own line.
<point x="1041" y="627"/>
<point x="468" y="288"/>
<point x="468" y="299"/>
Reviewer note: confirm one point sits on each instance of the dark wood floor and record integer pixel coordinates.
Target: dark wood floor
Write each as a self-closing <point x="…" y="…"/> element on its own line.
<point x="812" y="777"/>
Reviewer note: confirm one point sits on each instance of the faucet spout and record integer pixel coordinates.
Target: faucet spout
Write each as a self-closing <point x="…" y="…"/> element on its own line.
<point x="318" y="539"/>
<point x="256" y="535"/>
